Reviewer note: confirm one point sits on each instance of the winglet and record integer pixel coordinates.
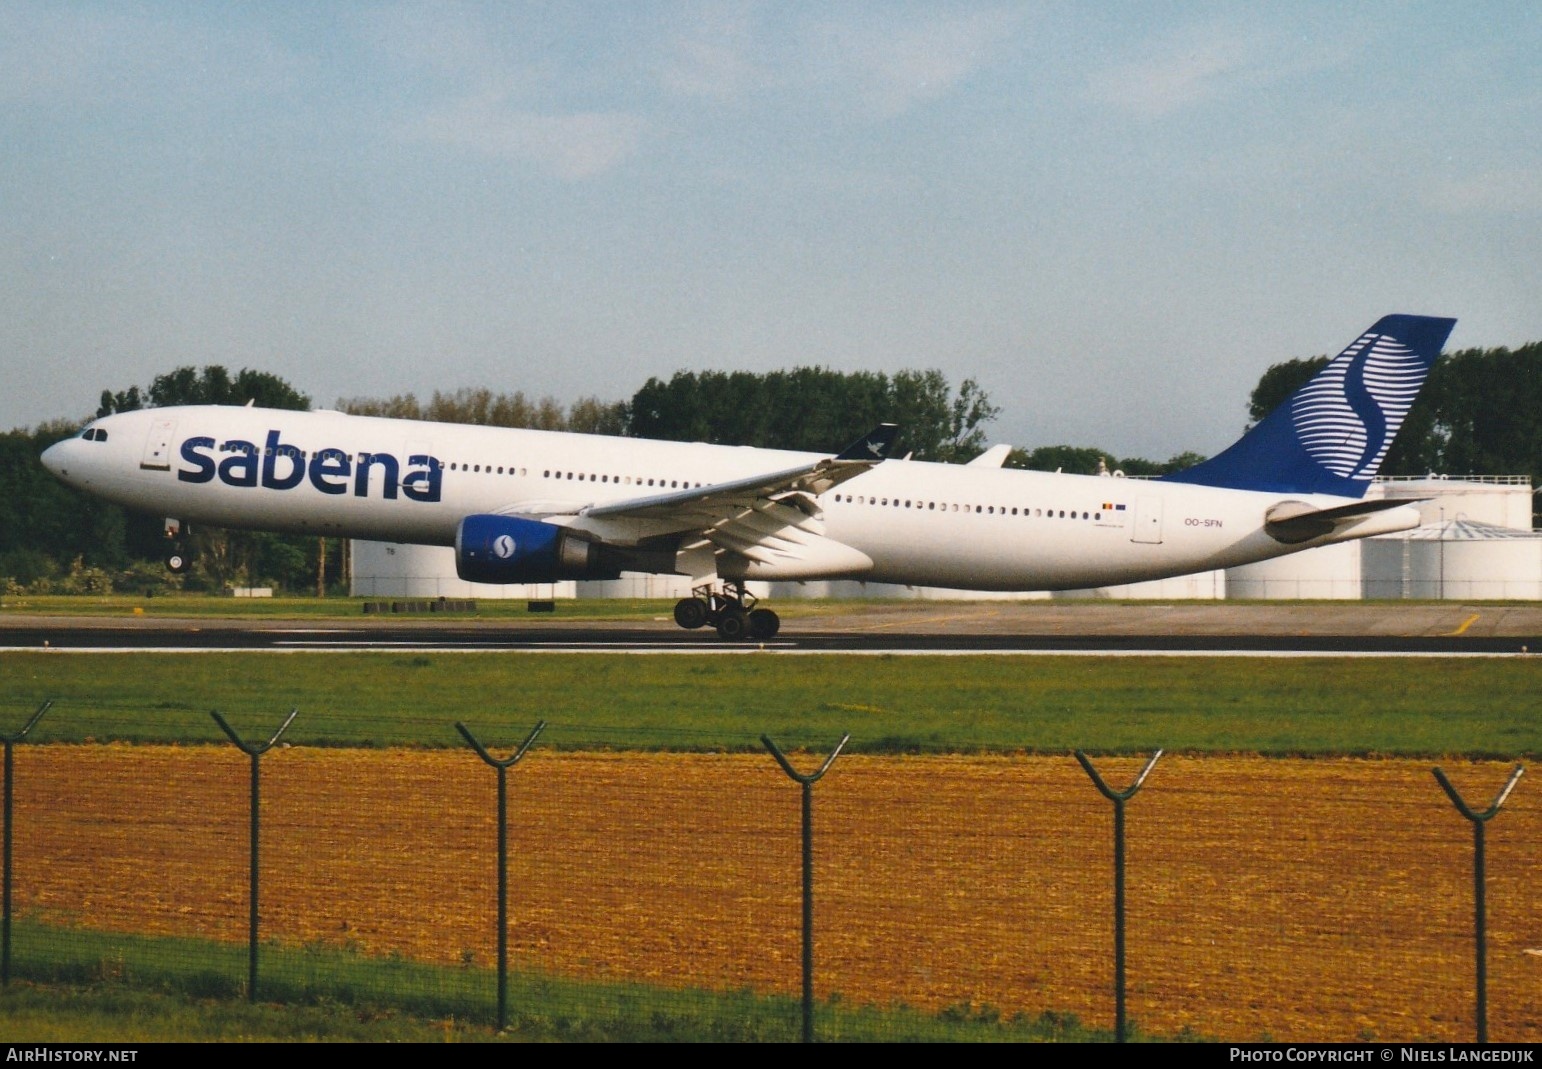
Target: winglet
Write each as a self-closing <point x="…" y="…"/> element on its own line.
<point x="872" y="446"/>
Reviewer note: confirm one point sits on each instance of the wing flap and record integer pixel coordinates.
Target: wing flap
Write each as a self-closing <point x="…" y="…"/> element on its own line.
<point x="701" y="506"/>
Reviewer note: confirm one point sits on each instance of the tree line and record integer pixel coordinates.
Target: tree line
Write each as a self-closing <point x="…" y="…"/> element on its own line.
<point x="1479" y="413"/>
<point x="804" y="408"/>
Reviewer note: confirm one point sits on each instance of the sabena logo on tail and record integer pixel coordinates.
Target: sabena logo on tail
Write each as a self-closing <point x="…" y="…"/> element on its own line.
<point x="1347" y="416"/>
<point x="1331" y="436"/>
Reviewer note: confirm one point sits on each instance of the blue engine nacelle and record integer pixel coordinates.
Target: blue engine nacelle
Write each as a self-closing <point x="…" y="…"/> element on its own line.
<point x="507" y="549"/>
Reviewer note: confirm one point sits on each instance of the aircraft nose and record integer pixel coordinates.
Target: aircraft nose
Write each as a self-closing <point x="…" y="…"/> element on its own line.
<point x="56" y="458"/>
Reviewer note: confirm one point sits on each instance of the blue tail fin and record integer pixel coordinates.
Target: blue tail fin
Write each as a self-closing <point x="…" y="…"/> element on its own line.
<point x="1331" y="435"/>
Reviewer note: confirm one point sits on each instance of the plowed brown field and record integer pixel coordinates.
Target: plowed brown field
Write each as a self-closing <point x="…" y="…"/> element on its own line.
<point x="1321" y="899"/>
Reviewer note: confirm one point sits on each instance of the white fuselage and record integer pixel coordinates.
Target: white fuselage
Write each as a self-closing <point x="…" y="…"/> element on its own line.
<point x="918" y="523"/>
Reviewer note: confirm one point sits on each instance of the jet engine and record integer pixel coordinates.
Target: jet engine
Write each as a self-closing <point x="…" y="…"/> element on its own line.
<point x="508" y="549"/>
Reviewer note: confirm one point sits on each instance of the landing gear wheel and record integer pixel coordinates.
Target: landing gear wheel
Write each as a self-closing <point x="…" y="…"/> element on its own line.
<point x="764" y="624"/>
<point x="177" y="562"/>
<point x="691" y="613"/>
<point x="733" y="624"/>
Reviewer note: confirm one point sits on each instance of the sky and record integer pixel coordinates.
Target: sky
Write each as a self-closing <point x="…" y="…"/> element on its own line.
<point x="1112" y="216"/>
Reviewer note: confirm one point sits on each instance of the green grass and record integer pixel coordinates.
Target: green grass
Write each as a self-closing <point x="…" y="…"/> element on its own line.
<point x="119" y="1014"/>
<point x="1411" y="706"/>
<point x="88" y="986"/>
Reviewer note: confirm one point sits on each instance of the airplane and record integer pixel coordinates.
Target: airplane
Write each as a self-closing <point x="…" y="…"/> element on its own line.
<point x="526" y="506"/>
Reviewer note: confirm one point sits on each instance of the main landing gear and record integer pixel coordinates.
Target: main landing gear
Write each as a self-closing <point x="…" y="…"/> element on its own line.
<point x="731" y="610"/>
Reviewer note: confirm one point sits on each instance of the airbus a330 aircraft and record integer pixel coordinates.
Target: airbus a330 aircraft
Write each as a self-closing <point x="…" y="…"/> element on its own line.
<point x="523" y="506"/>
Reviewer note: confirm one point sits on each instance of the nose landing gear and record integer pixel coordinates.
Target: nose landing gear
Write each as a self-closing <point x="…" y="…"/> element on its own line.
<point x="179" y="557"/>
<point x="730" y="610"/>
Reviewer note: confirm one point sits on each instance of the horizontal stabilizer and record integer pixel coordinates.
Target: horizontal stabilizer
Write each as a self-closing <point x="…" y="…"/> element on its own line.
<point x="1292" y="522"/>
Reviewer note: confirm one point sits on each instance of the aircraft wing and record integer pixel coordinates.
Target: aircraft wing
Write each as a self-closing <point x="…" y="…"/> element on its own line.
<point x="769" y="520"/>
<point x="703" y="507"/>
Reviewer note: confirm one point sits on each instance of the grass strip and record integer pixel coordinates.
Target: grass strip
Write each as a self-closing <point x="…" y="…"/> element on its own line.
<point x="1480" y="708"/>
<point x="86" y="985"/>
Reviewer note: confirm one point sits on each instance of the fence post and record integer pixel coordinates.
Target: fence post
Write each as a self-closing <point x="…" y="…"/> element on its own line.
<point x="502" y="765"/>
<point x="1118" y="798"/>
<point x="10" y="772"/>
<point x="1480" y="917"/>
<point x="808" y="782"/>
<point x="255" y="752"/>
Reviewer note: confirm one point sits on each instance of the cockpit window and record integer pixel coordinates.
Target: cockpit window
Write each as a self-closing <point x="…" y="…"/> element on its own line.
<point x="94" y="434"/>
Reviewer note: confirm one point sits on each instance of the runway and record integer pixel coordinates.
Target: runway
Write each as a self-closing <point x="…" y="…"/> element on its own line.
<point x="1205" y="629"/>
